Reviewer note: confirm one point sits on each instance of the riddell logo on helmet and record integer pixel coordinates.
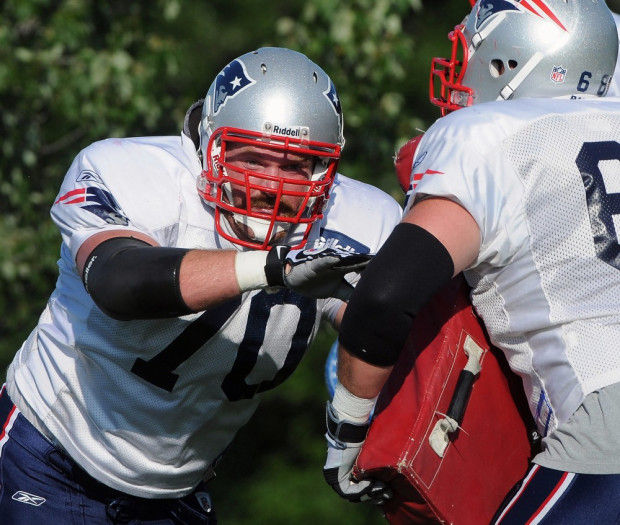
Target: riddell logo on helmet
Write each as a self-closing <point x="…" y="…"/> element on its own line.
<point x="289" y="132"/>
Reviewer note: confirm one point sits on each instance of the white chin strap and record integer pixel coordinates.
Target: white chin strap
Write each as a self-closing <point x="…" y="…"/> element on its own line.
<point x="260" y="227"/>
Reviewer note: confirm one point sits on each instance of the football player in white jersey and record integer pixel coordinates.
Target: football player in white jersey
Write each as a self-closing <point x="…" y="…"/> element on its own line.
<point x="519" y="189"/>
<point x="194" y="273"/>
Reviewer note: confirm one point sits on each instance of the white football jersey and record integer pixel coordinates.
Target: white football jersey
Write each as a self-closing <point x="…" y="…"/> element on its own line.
<point x="146" y="406"/>
<point x="541" y="178"/>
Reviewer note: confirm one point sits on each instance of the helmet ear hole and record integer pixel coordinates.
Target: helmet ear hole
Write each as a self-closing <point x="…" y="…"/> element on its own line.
<point x="512" y="64"/>
<point x="496" y="68"/>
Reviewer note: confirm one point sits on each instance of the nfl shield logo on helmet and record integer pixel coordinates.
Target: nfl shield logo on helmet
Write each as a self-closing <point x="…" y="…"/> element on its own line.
<point x="558" y="74"/>
<point x="232" y="80"/>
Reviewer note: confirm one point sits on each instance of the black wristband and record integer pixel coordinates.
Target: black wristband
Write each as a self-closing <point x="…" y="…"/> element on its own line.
<point x="129" y="279"/>
<point x="410" y="267"/>
<point x="274" y="265"/>
<point x="342" y="431"/>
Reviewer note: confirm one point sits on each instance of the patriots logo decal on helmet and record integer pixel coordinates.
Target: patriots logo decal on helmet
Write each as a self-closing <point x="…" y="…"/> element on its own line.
<point x="332" y="96"/>
<point x="488" y="8"/>
<point x="231" y="81"/>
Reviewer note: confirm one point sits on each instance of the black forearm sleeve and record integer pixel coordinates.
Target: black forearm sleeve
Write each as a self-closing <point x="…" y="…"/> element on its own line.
<point x="410" y="267"/>
<point x="129" y="279"/>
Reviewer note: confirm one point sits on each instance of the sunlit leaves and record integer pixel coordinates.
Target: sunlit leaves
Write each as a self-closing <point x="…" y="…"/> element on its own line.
<point x="71" y="72"/>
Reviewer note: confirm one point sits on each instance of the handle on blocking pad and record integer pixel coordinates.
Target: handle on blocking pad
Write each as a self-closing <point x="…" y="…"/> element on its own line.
<point x="439" y="437"/>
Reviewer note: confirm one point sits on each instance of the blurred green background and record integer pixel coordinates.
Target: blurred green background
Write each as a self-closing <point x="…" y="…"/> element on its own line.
<point x="76" y="71"/>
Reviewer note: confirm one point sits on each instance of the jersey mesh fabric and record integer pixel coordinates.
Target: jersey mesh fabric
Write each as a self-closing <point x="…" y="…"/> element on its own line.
<point x="542" y="290"/>
<point x="579" y="287"/>
<point x="491" y="302"/>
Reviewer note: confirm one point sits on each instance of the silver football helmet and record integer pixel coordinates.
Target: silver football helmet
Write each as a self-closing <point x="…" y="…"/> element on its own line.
<point x="278" y="102"/>
<point x="508" y="49"/>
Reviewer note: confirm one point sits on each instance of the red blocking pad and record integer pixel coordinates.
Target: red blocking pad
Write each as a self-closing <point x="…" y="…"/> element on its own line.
<point x="466" y="478"/>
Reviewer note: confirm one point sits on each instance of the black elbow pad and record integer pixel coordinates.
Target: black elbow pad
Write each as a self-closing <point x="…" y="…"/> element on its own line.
<point x="409" y="269"/>
<point x="129" y="279"/>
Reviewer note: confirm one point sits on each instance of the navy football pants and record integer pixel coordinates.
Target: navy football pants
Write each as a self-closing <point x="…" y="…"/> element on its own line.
<point x="550" y="496"/>
<point x="41" y="484"/>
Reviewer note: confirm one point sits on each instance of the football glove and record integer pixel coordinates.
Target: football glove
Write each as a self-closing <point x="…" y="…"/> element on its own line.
<point x="314" y="272"/>
<point x="344" y="442"/>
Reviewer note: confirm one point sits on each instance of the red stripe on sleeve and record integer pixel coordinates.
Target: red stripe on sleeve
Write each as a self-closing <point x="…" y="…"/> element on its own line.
<point x="79" y="191"/>
<point x="74" y="201"/>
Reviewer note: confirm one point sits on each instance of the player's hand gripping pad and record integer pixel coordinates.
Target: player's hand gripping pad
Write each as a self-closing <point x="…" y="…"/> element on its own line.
<point x="463" y="476"/>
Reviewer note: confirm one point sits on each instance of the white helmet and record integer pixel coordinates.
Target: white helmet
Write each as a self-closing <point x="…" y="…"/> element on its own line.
<point x="277" y="99"/>
<point x="508" y="49"/>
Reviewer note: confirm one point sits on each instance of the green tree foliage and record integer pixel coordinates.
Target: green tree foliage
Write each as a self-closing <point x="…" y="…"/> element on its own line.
<point x="76" y="71"/>
<point x="70" y="73"/>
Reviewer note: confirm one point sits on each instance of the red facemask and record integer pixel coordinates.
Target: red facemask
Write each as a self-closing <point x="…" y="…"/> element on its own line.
<point x="221" y="180"/>
<point x="447" y="75"/>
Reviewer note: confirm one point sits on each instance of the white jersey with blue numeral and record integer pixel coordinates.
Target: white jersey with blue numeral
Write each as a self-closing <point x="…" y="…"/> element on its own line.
<point x="542" y="180"/>
<point x="147" y="406"/>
